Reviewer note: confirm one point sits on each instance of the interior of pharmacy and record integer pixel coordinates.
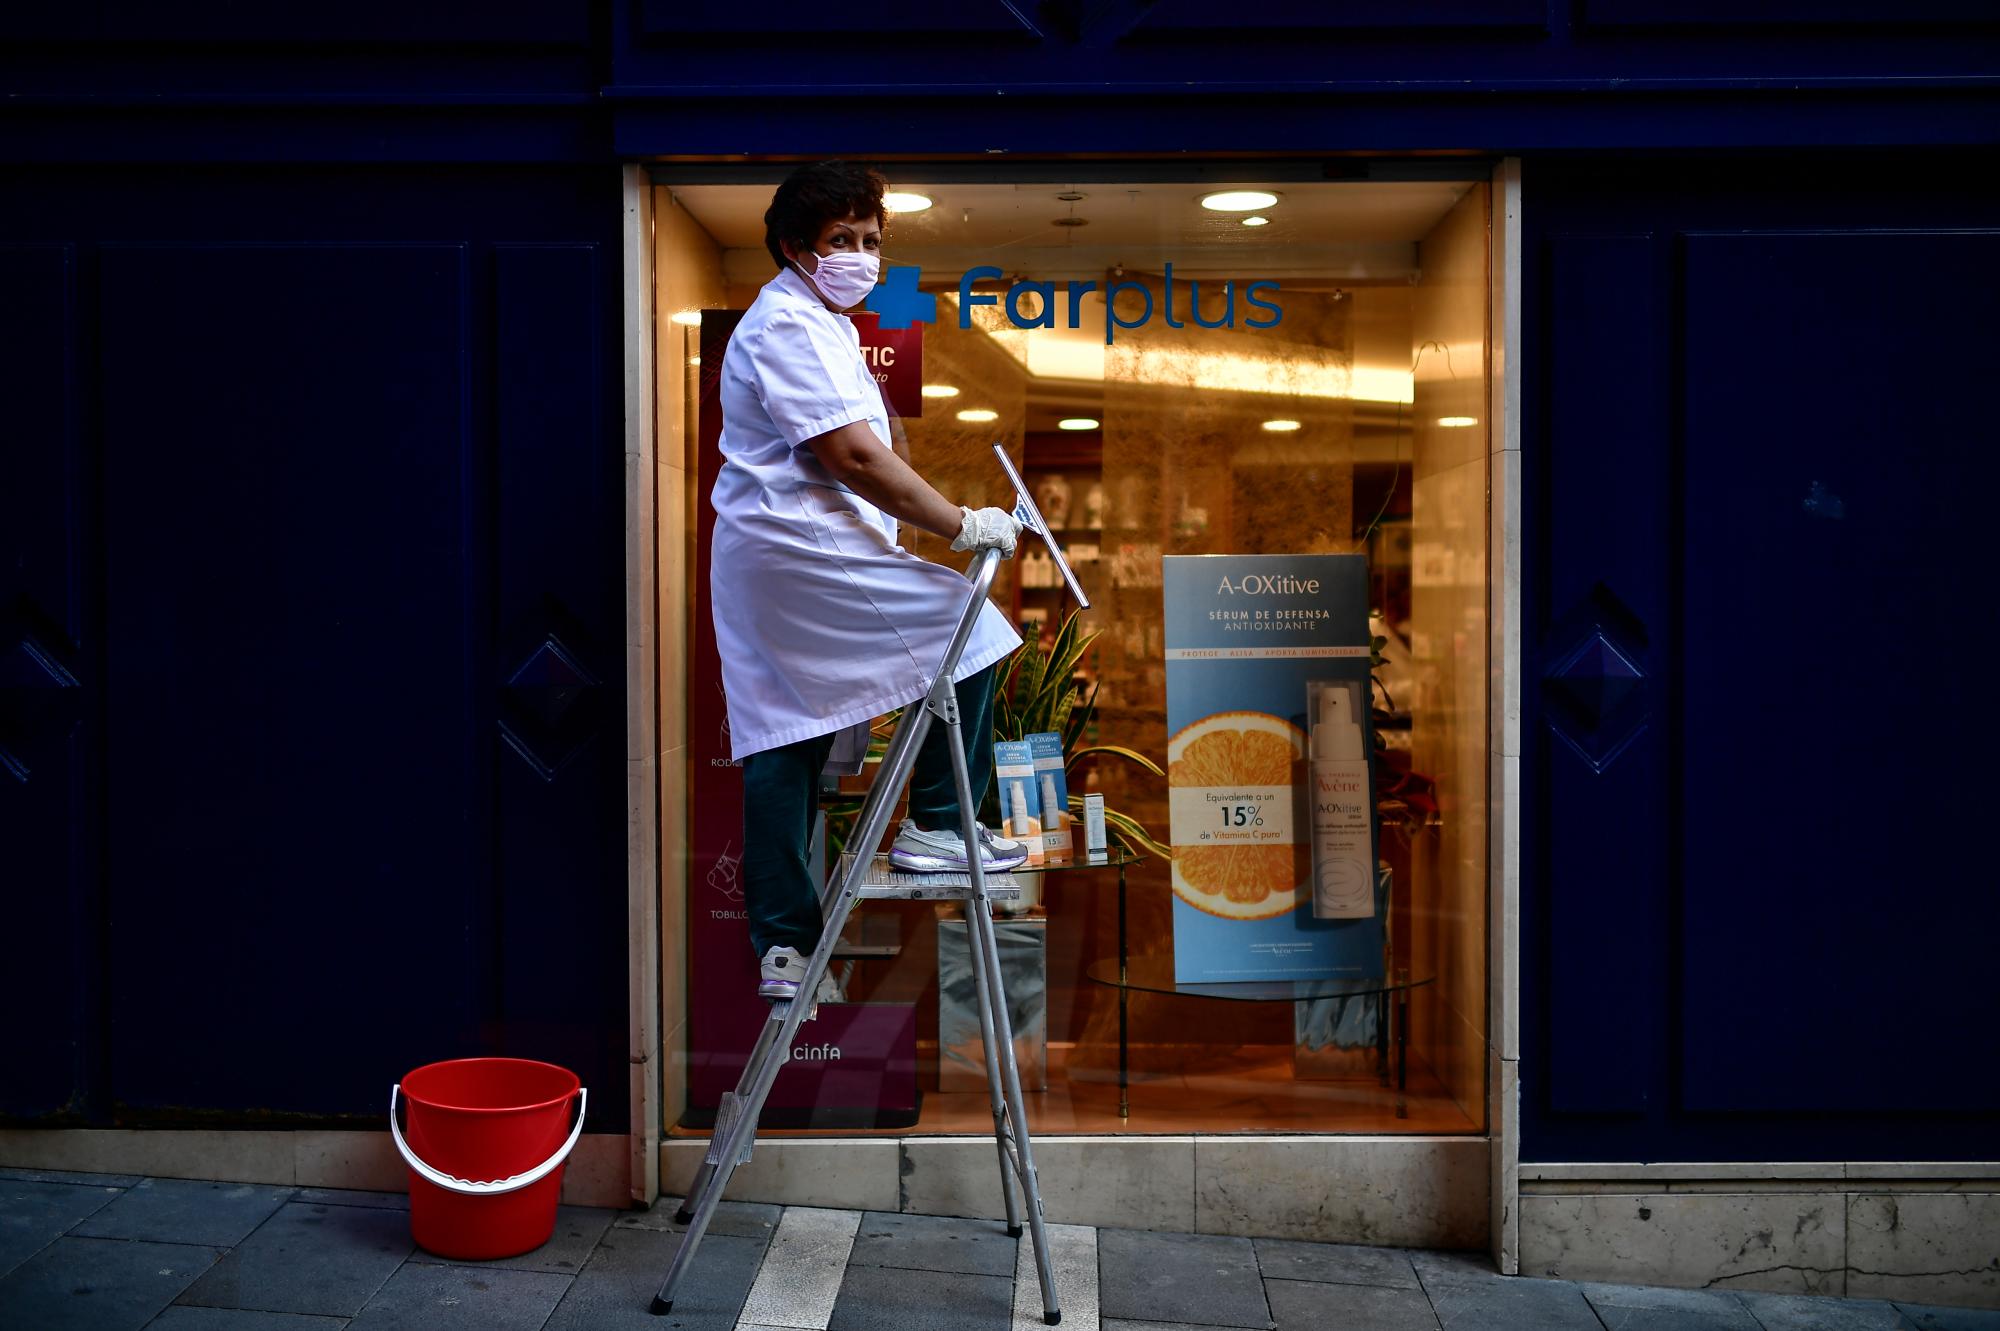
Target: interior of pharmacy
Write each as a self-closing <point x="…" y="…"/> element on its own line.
<point x="1354" y="425"/>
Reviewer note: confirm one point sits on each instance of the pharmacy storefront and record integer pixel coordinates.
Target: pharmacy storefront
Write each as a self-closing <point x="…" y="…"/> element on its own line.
<point x="1258" y="411"/>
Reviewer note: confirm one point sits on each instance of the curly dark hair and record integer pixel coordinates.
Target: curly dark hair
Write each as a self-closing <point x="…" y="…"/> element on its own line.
<point x="817" y="194"/>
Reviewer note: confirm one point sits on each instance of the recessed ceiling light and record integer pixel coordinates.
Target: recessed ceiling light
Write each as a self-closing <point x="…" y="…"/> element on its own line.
<point x="1238" y="200"/>
<point x="1457" y="422"/>
<point x="898" y="201"/>
<point x="1281" y="426"/>
<point x="692" y="318"/>
<point x="1256" y="221"/>
<point x="1078" y="423"/>
<point x="978" y="415"/>
<point x="940" y="390"/>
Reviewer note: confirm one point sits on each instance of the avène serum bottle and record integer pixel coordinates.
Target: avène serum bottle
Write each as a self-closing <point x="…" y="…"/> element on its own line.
<point x="1343" y="885"/>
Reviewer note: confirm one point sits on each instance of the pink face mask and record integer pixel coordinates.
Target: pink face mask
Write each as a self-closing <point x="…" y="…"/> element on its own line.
<point x="844" y="278"/>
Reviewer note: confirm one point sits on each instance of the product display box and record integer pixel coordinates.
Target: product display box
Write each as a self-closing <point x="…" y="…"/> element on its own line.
<point x="1253" y="643"/>
<point x="1052" y="792"/>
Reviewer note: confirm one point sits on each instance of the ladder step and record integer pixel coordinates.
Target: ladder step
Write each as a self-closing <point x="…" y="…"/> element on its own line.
<point x="887" y="883"/>
<point x="726" y="1113"/>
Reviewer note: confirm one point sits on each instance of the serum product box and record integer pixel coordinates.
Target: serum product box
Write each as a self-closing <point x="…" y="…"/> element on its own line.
<point x="1253" y="645"/>
<point x="1020" y="799"/>
<point x="1342" y="802"/>
<point x="1052" y="797"/>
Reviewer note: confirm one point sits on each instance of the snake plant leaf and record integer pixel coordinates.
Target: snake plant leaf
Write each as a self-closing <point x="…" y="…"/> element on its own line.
<point x="1117" y="751"/>
<point x="1134" y="835"/>
<point x="1079" y="718"/>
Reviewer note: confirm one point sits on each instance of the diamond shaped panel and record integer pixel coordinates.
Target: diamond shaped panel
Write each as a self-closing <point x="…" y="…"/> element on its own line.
<point x="1598" y="698"/>
<point x="547" y="707"/>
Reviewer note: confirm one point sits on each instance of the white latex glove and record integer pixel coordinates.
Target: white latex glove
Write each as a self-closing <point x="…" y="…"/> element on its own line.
<point x="987" y="529"/>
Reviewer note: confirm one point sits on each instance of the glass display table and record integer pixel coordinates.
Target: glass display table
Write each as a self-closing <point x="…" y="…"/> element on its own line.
<point x="1155" y="975"/>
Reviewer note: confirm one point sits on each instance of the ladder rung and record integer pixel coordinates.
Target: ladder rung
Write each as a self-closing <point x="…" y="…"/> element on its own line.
<point x="727" y="1111"/>
<point x="884" y="883"/>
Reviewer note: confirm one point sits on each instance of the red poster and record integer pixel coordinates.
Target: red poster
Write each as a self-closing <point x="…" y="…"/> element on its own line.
<point x="896" y="355"/>
<point x="856" y="1065"/>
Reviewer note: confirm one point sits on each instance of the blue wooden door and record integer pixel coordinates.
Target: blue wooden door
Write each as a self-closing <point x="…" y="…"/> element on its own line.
<point x="1759" y="909"/>
<point x="311" y="721"/>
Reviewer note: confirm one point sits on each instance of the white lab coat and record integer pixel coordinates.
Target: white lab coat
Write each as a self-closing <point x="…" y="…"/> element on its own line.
<point x="822" y="621"/>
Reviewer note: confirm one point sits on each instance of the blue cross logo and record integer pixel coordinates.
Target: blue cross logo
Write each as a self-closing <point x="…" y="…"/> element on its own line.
<point x="898" y="302"/>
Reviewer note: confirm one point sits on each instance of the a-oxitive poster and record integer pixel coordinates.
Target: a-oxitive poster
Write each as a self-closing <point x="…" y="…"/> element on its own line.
<point x="1245" y="636"/>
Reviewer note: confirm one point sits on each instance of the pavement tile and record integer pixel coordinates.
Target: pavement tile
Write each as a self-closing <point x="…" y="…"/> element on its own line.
<point x="578" y="1228"/>
<point x="615" y="1291"/>
<point x="181" y="1317"/>
<point x="1305" y="1305"/>
<point x="456" y="1298"/>
<point x="1127" y="1324"/>
<point x="309" y="1258"/>
<point x="1073" y="1262"/>
<point x="935" y="1243"/>
<point x="1511" y="1303"/>
<point x="174" y="1210"/>
<point x="1808" y="1312"/>
<point x="387" y="1201"/>
<point x="98" y="1284"/>
<point x="881" y="1298"/>
<point x="1335" y="1263"/>
<point x="34" y="1213"/>
<point x="743" y="1220"/>
<point x="1443" y="1268"/>
<point x="1651" y="1308"/>
<point x="1931" y="1317"/>
<point x="71" y="1176"/>
<point x="1203" y="1278"/>
<point x="799" y="1281"/>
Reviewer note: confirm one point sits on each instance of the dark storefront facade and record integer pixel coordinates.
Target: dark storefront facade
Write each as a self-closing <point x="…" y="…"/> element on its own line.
<point x="351" y="477"/>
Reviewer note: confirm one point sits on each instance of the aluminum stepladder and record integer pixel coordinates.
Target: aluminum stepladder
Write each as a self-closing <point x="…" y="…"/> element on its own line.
<point x="864" y="875"/>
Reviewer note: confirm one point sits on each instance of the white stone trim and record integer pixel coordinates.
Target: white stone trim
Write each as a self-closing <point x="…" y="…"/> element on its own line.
<point x="642" y="731"/>
<point x="596" y="1173"/>
<point x="1503" y="918"/>
<point x="1416" y="1191"/>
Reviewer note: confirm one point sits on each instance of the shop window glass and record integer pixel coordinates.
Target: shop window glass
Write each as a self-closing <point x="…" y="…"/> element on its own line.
<point x="1353" y="424"/>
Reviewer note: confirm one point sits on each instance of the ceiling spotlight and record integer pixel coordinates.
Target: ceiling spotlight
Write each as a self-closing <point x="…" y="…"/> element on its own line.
<point x="940" y="390"/>
<point x="1457" y="422"/>
<point x="1238" y="200"/>
<point x="897" y="201"/>
<point x="692" y="318"/>
<point x="1256" y="221"/>
<point x="1078" y="423"/>
<point x="978" y="415"/>
<point x="1281" y="426"/>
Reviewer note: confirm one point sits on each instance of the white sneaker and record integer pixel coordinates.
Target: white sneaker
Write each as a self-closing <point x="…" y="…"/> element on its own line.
<point x="783" y="969"/>
<point x="918" y="851"/>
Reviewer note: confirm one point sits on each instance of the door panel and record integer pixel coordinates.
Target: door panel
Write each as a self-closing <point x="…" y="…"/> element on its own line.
<point x="1839" y="481"/>
<point x="323" y="502"/>
<point x="1758" y="484"/>
<point x="47" y="688"/>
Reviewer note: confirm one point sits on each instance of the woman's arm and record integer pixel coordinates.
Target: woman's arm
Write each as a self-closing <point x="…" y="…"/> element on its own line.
<point x="856" y="458"/>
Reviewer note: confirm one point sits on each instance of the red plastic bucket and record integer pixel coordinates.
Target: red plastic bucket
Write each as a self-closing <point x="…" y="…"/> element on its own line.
<point x="486" y="1145"/>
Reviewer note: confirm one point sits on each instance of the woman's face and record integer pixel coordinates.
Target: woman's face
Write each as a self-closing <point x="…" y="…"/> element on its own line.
<point x="849" y="234"/>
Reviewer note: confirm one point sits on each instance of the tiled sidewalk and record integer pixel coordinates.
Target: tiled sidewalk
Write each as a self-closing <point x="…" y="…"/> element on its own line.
<point x="109" y="1252"/>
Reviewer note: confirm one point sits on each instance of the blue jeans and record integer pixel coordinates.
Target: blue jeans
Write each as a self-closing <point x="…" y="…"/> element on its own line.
<point x="781" y="794"/>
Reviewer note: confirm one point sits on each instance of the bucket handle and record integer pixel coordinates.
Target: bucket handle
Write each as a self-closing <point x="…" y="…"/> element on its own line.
<point x="468" y="1187"/>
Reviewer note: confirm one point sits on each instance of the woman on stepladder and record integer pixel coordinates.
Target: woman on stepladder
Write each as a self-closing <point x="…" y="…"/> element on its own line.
<point x="822" y="621"/>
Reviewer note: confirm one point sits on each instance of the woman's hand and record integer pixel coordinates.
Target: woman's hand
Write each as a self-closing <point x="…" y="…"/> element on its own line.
<point x="988" y="529"/>
<point x="856" y="458"/>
